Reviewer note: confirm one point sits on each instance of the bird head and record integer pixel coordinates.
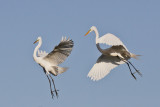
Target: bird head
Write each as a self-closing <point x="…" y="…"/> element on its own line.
<point x="90" y="30"/>
<point x="39" y="38"/>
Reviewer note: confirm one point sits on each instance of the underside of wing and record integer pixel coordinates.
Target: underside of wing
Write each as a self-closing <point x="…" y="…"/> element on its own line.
<point x="60" y="52"/>
<point x="111" y="39"/>
<point x="103" y="66"/>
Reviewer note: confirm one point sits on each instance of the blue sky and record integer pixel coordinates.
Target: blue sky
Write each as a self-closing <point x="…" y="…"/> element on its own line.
<point x="22" y="81"/>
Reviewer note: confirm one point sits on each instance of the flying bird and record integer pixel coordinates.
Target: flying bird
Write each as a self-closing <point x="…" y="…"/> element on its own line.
<point x="111" y="57"/>
<point x="50" y="61"/>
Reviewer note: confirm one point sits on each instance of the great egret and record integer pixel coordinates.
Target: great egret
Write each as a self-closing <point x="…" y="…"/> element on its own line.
<point x="112" y="57"/>
<point x="49" y="62"/>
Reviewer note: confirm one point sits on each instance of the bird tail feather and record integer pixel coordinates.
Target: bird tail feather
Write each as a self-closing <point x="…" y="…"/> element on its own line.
<point x="135" y="56"/>
<point x="62" y="69"/>
<point x="58" y="70"/>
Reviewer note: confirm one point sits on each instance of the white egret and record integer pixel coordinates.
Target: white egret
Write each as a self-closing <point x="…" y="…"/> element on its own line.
<point x="49" y="62"/>
<point x="112" y="57"/>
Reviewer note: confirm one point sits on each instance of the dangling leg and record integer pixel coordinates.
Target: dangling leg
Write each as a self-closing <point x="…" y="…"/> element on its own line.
<point x="128" y="66"/>
<point x="49" y="83"/>
<point x="54" y="86"/>
<point x="135" y="69"/>
<point x="131" y="71"/>
<point x="50" y="86"/>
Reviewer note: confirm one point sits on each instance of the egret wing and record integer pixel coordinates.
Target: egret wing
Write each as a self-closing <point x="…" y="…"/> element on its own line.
<point x="42" y="53"/>
<point x="111" y="39"/>
<point x="60" y="52"/>
<point x="103" y="66"/>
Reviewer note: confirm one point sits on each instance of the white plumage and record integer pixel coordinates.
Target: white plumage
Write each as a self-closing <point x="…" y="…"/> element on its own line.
<point x="110" y="39"/>
<point x="103" y="67"/>
<point x="100" y="70"/>
<point x="42" y="53"/>
<point x="112" y="57"/>
<point x="50" y="61"/>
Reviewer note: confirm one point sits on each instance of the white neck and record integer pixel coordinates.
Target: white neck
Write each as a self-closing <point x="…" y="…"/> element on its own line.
<point x="96" y="32"/>
<point x="97" y="37"/>
<point x="36" y="49"/>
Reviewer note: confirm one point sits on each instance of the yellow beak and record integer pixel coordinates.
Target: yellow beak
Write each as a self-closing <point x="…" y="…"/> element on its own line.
<point x="88" y="32"/>
<point x="36" y="41"/>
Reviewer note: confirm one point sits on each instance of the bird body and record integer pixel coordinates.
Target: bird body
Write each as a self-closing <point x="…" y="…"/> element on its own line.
<point x="112" y="57"/>
<point x="40" y="60"/>
<point x="50" y="61"/>
<point x="118" y="50"/>
<point x="50" y="68"/>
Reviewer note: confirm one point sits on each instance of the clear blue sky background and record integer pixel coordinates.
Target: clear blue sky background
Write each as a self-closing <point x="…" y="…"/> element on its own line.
<point x="22" y="81"/>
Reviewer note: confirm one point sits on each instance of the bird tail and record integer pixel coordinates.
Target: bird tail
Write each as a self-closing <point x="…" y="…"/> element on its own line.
<point x="135" y="56"/>
<point x="62" y="69"/>
<point x="58" y="70"/>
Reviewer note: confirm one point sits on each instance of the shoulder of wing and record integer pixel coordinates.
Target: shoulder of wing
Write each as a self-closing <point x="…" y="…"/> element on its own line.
<point x="110" y="39"/>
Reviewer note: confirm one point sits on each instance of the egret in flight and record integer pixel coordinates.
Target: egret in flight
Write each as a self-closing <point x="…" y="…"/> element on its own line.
<point x="112" y="57"/>
<point x="50" y="61"/>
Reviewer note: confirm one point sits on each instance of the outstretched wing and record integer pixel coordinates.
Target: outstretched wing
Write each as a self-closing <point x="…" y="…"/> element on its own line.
<point x="103" y="66"/>
<point x="60" y="52"/>
<point x="111" y="39"/>
<point x="42" y="53"/>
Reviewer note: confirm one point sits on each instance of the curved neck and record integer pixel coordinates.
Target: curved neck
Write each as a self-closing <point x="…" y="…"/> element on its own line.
<point x="97" y="34"/>
<point x="97" y="37"/>
<point x="36" y="49"/>
<point x="99" y="48"/>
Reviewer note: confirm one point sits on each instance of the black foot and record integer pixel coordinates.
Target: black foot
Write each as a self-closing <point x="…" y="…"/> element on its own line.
<point x="133" y="76"/>
<point x="52" y="94"/>
<point x="56" y="92"/>
<point x="139" y="73"/>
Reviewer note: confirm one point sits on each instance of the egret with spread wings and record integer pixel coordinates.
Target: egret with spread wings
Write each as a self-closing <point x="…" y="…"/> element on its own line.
<point x="112" y="57"/>
<point x="50" y="61"/>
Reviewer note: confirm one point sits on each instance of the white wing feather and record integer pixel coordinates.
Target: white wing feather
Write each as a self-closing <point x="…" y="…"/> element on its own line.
<point x="42" y="53"/>
<point x="103" y="66"/>
<point x="60" y="52"/>
<point x="110" y="39"/>
<point x="100" y="70"/>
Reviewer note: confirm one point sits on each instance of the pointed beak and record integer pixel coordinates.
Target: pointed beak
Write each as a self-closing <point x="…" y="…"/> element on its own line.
<point x="88" y="32"/>
<point x="36" y="41"/>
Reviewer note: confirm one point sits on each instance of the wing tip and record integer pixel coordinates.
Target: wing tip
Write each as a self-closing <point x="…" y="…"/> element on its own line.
<point x="66" y="39"/>
<point x="93" y="78"/>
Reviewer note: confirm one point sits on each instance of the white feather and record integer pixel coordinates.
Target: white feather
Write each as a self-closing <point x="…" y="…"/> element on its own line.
<point x="100" y="70"/>
<point x="42" y="53"/>
<point x="110" y="39"/>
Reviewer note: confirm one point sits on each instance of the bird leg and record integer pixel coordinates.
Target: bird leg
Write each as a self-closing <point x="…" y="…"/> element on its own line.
<point x="128" y="66"/>
<point x="135" y="69"/>
<point x="55" y="90"/>
<point x="50" y="86"/>
<point x="49" y="83"/>
<point x="130" y="70"/>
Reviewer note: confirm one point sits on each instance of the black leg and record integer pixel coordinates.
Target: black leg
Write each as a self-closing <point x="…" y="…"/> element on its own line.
<point x="131" y="65"/>
<point x="54" y="86"/>
<point x="50" y="86"/>
<point x="131" y="71"/>
<point x="135" y="69"/>
<point x="49" y="83"/>
<point x="128" y="66"/>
